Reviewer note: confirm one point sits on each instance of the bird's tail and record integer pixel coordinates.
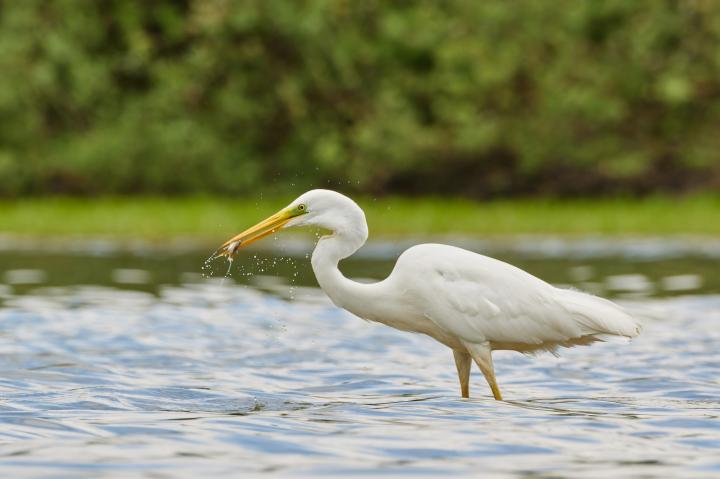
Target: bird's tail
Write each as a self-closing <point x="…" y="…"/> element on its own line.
<point x="599" y="316"/>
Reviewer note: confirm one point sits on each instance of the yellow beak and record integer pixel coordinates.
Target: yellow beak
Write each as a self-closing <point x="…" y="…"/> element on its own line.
<point x="264" y="228"/>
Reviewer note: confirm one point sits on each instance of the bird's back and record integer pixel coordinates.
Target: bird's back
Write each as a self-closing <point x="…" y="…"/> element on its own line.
<point x="478" y="299"/>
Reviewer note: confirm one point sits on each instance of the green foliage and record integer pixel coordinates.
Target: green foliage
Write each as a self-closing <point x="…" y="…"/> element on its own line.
<point x="476" y="98"/>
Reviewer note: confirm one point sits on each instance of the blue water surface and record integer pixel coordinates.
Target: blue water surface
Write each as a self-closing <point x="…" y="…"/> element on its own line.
<point x="188" y="377"/>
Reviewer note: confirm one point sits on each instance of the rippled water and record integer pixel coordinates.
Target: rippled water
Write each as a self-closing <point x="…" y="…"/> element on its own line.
<point x="117" y="363"/>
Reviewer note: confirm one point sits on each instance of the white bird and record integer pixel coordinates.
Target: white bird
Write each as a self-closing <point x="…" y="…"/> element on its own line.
<point x="471" y="303"/>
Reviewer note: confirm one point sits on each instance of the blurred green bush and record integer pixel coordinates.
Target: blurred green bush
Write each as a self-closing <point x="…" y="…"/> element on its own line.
<point x="476" y="98"/>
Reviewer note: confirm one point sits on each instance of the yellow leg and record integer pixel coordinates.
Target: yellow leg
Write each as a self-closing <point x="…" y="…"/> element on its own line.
<point x="482" y="354"/>
<point x="463" y="362"/>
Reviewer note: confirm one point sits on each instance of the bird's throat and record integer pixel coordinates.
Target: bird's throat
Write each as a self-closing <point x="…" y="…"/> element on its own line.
<point x="329" y="251"/>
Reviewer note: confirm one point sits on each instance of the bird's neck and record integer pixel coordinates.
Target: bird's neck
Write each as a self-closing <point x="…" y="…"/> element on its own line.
<point x="344" y="292"/>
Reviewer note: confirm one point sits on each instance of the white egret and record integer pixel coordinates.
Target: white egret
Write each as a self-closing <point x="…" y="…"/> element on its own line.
<point x="471" y="303"/>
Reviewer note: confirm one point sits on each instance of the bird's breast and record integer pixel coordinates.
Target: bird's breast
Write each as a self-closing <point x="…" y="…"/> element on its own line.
<point x="415" y="322"/>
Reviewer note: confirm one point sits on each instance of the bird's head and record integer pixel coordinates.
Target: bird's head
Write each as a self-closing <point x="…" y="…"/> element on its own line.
<point x="324" y="208"/>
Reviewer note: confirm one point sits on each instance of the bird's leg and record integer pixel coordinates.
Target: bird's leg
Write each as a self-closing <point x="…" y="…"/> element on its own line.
<point x="482" y="354"/>
<point x="463" y="362"/>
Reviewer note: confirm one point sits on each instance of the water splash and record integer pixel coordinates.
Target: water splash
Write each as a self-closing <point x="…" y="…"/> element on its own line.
<point x="225" y="251"/>
<point x="227" y="273"/>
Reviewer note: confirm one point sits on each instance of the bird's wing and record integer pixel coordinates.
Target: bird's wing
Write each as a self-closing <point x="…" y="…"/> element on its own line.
<point x="478" y="298"/>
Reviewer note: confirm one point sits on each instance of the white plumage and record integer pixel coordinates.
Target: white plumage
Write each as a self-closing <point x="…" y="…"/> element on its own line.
<point x="480" y="299"/>
<point x="469" y="302"/>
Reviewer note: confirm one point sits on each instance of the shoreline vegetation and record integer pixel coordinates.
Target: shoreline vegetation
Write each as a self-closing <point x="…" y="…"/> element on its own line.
<point x="212" y="219"/>
<point x="453" y="98"/>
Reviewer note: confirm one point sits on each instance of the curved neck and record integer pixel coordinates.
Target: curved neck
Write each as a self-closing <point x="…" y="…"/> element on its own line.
<point x="329" y="251"/>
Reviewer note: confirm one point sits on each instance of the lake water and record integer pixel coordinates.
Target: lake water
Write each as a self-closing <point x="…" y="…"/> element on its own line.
<point x="126" y="362"/>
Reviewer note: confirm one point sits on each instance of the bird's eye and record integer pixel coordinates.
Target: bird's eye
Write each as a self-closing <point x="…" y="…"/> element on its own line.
<point x="301" y="207"/>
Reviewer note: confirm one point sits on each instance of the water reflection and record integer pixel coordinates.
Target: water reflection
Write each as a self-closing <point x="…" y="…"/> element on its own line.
<point x="120" y="363"/>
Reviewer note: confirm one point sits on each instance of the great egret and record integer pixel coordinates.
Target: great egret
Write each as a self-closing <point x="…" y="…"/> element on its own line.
<point x="471" y="303"/>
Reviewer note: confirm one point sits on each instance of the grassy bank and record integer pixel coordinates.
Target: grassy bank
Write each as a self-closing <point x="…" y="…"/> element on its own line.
<point x="212" y="219"/>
